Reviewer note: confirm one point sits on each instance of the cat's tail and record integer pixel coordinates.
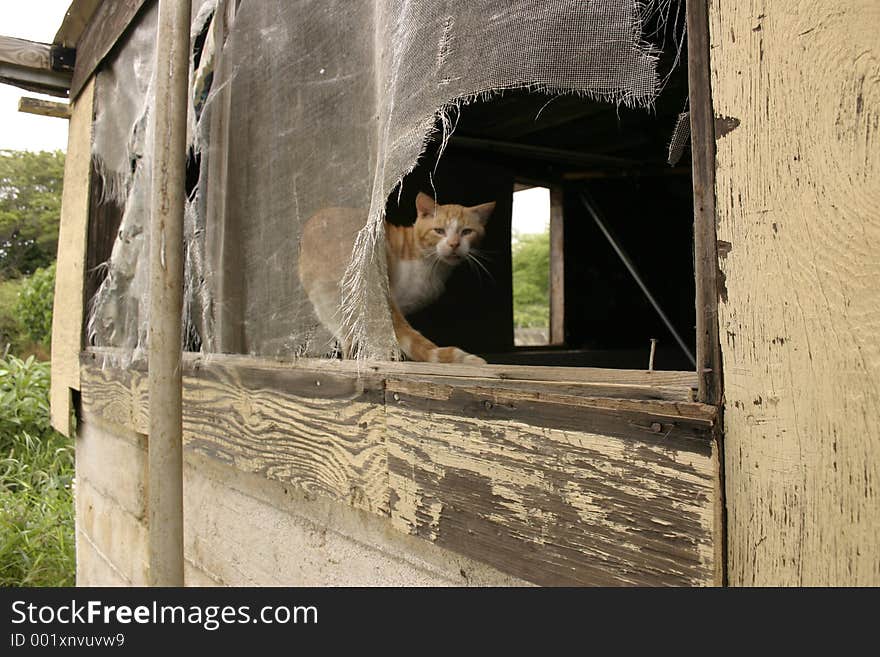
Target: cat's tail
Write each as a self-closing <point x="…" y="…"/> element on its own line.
<point x="417" y="347"/>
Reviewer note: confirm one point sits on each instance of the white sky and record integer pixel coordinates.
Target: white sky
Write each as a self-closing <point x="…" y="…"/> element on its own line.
<point x="531" y="210"/>
<point x="35" y="20"/>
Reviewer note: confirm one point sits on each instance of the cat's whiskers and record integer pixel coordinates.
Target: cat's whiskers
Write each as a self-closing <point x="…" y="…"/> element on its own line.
<point x="473" y="259"/>
<point x="434" y="259"/>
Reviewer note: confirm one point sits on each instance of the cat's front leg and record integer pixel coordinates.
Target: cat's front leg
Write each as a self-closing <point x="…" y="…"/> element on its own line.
<point x="454" y="355"/>
<point x="417" y="347"/>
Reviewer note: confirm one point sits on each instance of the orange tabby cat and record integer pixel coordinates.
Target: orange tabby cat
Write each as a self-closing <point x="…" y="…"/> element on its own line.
<point x="420" y="259"/>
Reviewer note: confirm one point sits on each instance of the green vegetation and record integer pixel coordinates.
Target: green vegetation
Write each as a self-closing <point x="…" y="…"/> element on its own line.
<point x="531" y="280"/>
<point x="26" y="314"/>
<point x="36" y="474"/>
<point x="36" y="463"/>
<point x="12" y="333"/>
<point x="34" y="307"/>
<point x="30" y="210"/>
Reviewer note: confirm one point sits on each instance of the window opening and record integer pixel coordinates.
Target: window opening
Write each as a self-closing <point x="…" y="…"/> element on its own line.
<point x="530" y="249"/>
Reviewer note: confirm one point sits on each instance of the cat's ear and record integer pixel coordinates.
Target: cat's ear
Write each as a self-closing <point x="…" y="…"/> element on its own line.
<point x="425" y="205"/>
<point x="483" y="211"/>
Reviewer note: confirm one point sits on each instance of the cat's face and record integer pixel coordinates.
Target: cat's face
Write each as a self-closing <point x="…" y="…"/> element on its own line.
<point x="450" y="231"/>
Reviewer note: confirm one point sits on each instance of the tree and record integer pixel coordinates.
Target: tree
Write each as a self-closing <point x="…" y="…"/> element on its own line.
<point x="531" y="280"/>
<point x="30" y="210"/>
<point x="34" y="307"/>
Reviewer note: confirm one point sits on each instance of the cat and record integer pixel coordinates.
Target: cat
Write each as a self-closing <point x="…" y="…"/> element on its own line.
<point x="420" y="259"/>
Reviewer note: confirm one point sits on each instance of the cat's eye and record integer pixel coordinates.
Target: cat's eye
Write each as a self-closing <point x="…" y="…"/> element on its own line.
<point x="440" y="231"/>
<point x="467" y="231"/>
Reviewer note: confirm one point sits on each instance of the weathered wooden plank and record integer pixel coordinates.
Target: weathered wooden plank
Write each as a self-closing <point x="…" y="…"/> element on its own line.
<point x="75" y="21"/>
<point x="68" y="301"/>
<point x="27" y="54"/>
<point x="556" y="506"/>
<point x="116" y="396"/>
<point x="685" y="380"/>
<point x="44" y="108"/>
<point x="626" y="391"/>
<point x="705" y="240"/>
<point x="34" y="66"/>
<point x="106" y="26"/>
<point x="682" y="382"/>
<point x="798" y="187"/>
<point x="321" y="432"/>
<point x="544" y="485"/>
<point x="682" y="424"/>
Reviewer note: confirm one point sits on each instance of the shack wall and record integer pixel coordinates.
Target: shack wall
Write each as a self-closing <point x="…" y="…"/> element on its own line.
<point x="796" y="95"/>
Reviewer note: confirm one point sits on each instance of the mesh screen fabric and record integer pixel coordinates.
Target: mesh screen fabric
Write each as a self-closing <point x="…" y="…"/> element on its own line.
<point x="121" y="150"/>
<point x="319" y="103"/>
<point x="681" y="138"/>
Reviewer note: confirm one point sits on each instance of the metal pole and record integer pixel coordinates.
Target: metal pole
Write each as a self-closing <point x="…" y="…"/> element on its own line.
<point x="167" y="198"/>
<point x="635" y="274"/>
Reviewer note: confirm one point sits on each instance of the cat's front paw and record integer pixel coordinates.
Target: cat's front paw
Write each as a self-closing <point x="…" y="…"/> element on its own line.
<point x="470" y="359"/>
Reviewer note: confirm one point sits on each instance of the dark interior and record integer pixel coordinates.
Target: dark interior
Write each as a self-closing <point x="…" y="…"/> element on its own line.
<point x="618" y="158"/>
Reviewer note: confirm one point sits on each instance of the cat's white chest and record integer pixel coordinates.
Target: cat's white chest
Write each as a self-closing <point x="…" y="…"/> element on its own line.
<point x="415" y="284"/>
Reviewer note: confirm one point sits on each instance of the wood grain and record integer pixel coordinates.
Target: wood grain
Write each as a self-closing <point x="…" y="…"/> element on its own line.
<point x="798" y="187"/>
<point x="106" y="26"/>
<point x="68" y="300"/>
<point x="555" y="486"/>
<point x="27" y="54"/>
<point x="554" y="503"/>
<point x="321" y="432"/>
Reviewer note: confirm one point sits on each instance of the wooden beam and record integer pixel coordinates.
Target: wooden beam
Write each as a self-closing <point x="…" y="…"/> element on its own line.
<point x="646" y="172"/>
<point x="44" y="108"/>
<point x="27" y="54"/>
<point x="32" y="66"/>
<point x="684" y="381"/>
<point x="69" y="308"/>
<point x="705" y="237"/>
<point x="557" y="266"/>
<point x="107" y="24"/>
<point x="555" y="155"/>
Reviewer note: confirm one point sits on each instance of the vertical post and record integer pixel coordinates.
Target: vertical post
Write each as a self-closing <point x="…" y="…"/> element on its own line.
<point x="705" y="240"/>
<point x="706" y="250"/>
<point x="166" y="295"/>
<point x="557" y="266"/>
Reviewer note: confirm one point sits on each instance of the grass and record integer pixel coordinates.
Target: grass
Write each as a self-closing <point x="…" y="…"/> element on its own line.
<point x="36" y="478"/>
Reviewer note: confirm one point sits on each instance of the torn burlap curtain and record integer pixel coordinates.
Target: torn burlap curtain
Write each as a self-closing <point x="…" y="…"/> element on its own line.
<point x="318" y="103"/>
